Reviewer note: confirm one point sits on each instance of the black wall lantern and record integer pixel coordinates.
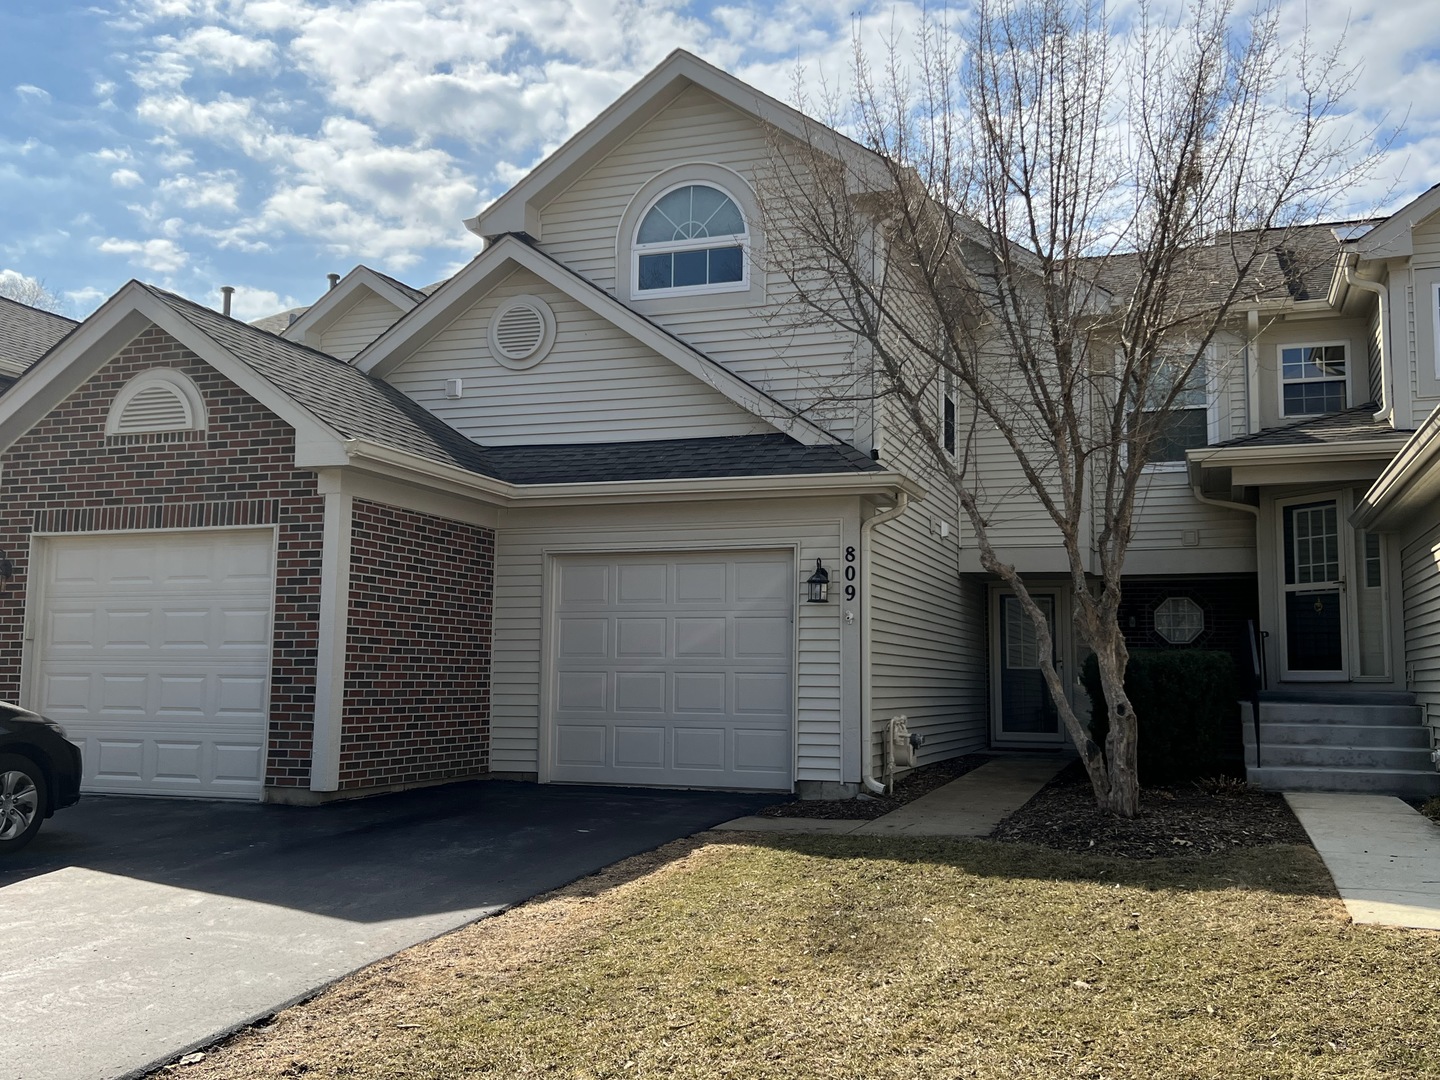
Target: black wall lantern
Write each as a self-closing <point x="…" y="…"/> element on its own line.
<point x="819" y="583"/>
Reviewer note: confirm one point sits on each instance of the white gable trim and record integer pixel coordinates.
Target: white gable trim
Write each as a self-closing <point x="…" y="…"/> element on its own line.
<point x="351" y="290"/>
<point x="118" y="321"/>
<point x="518" y="210"/>
<point x="1392" y="237"/>
<point x="498" y="260"/>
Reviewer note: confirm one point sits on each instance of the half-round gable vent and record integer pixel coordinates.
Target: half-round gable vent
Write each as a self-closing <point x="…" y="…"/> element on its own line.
<point x="153" y="408"/>
<point x="522" y="331"/>
<point x="153" y="401"/>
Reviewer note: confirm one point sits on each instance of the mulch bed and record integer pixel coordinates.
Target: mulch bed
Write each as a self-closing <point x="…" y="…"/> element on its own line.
<point x="1194" y="820"/>
<point x="911" y="786"/>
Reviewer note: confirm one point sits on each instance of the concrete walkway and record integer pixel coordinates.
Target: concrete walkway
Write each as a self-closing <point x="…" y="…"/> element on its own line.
<point x="1384" y="857"/>
<point x="970" y="805"/>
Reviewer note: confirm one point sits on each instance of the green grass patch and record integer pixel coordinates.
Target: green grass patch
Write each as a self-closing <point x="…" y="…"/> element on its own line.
<point x="827" y="957"/>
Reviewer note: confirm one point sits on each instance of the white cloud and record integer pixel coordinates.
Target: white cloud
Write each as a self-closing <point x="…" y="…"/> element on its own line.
<point x="85" y="300"/>
<point x="126" y="178"/>
<point x="33" y="93"/>
<point x="205" y="191"/>
<point x="160" y="255"/>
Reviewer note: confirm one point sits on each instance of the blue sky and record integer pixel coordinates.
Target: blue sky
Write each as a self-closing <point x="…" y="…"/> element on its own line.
<point x="264" y="143"/>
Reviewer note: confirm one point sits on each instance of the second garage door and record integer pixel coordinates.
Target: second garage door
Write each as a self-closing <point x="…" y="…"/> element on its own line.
<point x="674" y="670"/>
<point x="154" y="652"/>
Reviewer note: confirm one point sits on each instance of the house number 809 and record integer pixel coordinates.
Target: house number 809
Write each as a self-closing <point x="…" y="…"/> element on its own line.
<point x="850" y="590"/>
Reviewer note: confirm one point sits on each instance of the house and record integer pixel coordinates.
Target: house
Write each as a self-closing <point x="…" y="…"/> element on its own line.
<point x="556" y="519"/>
<point x="26" y="334"/>
<point x="593" y="510"/>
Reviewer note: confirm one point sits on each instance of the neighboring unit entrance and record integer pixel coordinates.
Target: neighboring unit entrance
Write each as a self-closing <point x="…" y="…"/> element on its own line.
<point x="153" y="649"/>
<point x="1023" y="710"/>
<point x="673" y="670"/>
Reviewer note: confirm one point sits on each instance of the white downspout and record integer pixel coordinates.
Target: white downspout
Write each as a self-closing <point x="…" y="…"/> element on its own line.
<point x="1387" y="396"/>
<point x="867" y="527"/>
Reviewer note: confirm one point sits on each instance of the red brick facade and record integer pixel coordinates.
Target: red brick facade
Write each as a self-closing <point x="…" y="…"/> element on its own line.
<point x="417" y="667"/>
<point x="64" y="475"/>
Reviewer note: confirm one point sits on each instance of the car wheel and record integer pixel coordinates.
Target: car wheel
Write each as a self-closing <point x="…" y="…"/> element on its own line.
<point x="22" y="801"/>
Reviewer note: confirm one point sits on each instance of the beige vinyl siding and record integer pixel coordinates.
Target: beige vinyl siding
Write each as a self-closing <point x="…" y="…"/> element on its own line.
<point x="828" y="650"/>
<point x="597" y="384"/>
<point x="1420" y="585"/>
<point x="1167" y="511"/>
<point x="799" y="364"/>
<point x="927" y="623"/>
<point x="358" y="326"/>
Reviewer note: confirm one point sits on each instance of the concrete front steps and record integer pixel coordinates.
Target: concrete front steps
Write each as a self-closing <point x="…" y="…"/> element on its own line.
<point x="1332" y="741"/>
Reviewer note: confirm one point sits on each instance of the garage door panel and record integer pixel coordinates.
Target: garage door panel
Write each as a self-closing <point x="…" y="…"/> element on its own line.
<point x="587" y="638"/>
<point x="640" y="639"/>
<point x="583" y="745"/>
<point x="700" y="748"/>
<point x="640" y="747"/>
<point x="701" y="583"/>
<point x="155" y="654"/>
<point x="642" y="583"/>
<point x="583" y="690"/>
<point x="700" y="637"/>
<point x="699" y="672"/>
<point x="640" y="691"/>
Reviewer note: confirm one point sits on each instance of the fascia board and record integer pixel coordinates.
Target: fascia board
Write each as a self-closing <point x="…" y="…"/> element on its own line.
<point x="341" y="299"/>
<point x="1410" y="480"/>
<point x="517" y="211"/>
<point x="492" y="265"/>
<point x="1393" y="238"/>
<point x="399" y="465"/>
<point x="1371" y="450"/>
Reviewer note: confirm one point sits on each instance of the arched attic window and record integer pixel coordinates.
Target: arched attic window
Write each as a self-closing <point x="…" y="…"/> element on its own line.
<point x="693" y="238"/>
<point x="156" y="402"/>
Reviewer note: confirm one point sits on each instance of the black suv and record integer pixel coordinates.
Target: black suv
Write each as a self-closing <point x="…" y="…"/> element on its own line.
<point x="39" y="774"/>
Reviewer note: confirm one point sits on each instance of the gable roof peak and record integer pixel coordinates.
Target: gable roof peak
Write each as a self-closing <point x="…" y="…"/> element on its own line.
<point x="518" y="210"/>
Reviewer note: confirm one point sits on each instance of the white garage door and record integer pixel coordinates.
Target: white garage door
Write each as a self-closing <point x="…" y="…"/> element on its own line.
<point x="154" y="652"/>
<point x="674" y="670"/>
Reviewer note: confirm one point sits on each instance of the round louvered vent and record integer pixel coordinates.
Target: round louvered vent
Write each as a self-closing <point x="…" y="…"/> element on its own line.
<point x="522" y="331"/>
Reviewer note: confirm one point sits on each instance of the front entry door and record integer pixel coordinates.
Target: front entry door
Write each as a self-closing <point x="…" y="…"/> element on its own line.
<point x="1314" y="542"/>
<point x="1025" y="711"/>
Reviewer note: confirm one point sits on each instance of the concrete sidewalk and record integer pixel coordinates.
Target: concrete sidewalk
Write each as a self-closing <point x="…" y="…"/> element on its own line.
<point x="970" y="805"/>
<point x="1384" y="857"/>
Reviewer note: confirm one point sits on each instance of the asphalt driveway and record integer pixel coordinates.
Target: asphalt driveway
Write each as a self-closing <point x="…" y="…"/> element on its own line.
<point x="132" y="929"/>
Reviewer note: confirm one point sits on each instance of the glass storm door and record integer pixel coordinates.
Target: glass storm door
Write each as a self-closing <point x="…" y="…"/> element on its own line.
<point x="1314" y="590"/>
<point x="1026" y="710"/>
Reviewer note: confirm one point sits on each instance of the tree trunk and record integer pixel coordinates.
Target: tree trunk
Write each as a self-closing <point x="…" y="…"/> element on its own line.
<point x="1122" y="794"/>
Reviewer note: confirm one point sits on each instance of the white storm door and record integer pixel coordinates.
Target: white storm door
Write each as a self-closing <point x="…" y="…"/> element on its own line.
<point x="1314" y="555"/>
<point x="153" y="650"/>
<point x="673" y="670"/>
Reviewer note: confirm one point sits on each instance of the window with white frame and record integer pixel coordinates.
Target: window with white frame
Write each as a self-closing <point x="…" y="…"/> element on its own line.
<point x="1186" y="424"/>
<point x="693" y="238"/>
<point x="1313" y="378"/>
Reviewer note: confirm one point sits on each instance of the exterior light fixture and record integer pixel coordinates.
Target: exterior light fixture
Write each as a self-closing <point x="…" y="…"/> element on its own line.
<point x="819" y="583"/>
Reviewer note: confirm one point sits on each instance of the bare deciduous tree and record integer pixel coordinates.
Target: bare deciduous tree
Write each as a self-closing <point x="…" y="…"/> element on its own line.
<point x="29" y="291"/>
<point x="1063" y="216"/>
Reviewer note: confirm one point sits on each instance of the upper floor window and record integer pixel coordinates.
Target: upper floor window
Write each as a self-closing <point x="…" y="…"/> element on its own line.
<point x="1185" y="425"/>
<point x="1313" y="379"/>
<point x="692" y="238"/>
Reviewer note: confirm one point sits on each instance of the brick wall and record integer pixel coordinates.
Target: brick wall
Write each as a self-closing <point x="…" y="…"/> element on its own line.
<point x="417" y="650"/>
<point x="1228" y="601"/>
<point x="64" y="475"/>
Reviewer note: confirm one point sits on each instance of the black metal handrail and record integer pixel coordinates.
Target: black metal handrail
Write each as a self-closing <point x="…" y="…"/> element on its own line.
<point x="1257" y="681"/>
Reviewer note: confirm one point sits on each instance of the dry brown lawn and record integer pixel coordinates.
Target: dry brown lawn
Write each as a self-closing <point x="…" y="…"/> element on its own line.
<point x="796" y="957"/>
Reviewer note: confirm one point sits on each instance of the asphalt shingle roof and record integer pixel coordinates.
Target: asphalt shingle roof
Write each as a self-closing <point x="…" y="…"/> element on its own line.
<point x="362" y="407"/>
<point x="1352" y="425"/>
<point x="666" y="459"/>
<point x="26" y="334"/>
